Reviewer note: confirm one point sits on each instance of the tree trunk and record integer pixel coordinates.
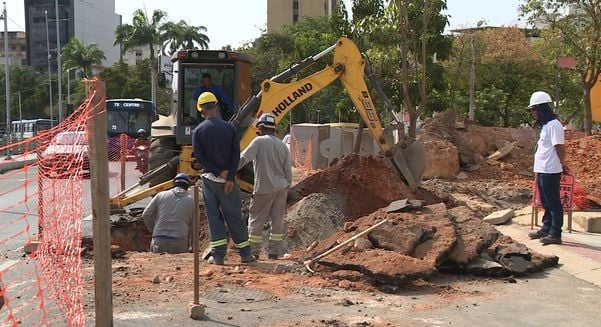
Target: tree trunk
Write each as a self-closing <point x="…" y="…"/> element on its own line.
<point x="588" y="114"/>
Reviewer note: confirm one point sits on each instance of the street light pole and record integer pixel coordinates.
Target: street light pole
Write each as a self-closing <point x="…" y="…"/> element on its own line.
<point x="58" y="64"/>
<point x="49" y="72"/>
<point x="6" y="79"/>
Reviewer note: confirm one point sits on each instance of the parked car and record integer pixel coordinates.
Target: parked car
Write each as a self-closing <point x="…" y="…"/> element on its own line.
<point x="64" y="154"/>
<point x="286" y="141"/>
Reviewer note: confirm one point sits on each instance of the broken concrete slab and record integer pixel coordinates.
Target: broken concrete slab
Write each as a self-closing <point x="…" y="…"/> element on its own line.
<point x="502" y="152"/>
<point x="485" y="266"/>
<point x="499" y="217"/>
<point x="473" y="236"/>
<point x="397" y="205"/>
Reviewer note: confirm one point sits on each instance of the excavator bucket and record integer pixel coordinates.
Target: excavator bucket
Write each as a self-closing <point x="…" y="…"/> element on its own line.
<point x="410" y="161"/>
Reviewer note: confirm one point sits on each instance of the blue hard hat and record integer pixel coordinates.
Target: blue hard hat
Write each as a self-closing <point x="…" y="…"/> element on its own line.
<point x="183" y="178"/>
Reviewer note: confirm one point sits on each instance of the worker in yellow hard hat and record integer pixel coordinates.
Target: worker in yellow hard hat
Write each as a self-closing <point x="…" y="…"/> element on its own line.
<point x="217" y="150"/>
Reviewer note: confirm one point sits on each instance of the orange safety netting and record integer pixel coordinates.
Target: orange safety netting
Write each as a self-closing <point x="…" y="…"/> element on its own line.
<point x="45" y="198"/>
<point x="301" y="153"/>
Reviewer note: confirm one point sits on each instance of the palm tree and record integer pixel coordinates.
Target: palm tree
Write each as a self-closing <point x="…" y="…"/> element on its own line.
<point x="181" y="35"/>
<point x="143" y="32"/>
<point x="75" y="54"/>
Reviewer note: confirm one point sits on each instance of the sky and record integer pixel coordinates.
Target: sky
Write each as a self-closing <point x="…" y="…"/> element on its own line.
<point x="236" y="22"/>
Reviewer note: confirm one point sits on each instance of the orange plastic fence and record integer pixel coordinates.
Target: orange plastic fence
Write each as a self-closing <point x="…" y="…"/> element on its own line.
<point x="43" y="199"/>
<point x="301" y="153"/>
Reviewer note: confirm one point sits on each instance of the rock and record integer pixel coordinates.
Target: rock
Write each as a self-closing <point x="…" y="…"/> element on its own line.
<point x="362" y="244"/>
<point x="502" y="152"/>
<point x="346" y="284"/>
<point x="415" y="204"/>
<point x="156" y="279"/>
<point x="499" y="217"/>
<point x="31" y="247"/>
<point x="196" y="311"/>
<point x="462" y="175"/>
<point x="397" y="205"/>
<point x="485" y="266"/>
<point x="117" y="252"/>
<point x="169" y="279"/>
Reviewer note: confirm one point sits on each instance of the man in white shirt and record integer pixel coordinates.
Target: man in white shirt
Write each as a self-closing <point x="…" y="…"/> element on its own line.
<point x="549" y="163"/>
<point x="273" y="175"/>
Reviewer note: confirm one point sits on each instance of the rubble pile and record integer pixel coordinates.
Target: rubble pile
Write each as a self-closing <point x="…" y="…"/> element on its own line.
<point x="413" y="245"/>
<point x="354" y="194"/>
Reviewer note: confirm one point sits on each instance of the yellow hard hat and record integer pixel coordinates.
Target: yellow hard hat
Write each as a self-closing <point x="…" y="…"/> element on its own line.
<point x="204" y="98"/>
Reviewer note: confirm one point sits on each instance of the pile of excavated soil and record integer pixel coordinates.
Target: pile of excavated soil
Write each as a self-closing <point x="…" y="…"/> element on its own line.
<point x="584" y="160"/>
<point x="418" y="244"/>
<point x="361" y="184"/>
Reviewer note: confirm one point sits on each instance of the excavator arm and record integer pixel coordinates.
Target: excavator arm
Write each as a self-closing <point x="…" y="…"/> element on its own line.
<point x="349" y="67"/>
<point x="279" y="97"/>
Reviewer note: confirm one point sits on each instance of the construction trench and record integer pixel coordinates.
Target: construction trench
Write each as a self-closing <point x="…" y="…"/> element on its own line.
<point x="438" y="231"/>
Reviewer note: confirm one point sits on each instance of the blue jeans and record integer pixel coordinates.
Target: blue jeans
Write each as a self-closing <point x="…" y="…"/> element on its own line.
<point x="224" y="210"/>
<point x="549" y="192"/>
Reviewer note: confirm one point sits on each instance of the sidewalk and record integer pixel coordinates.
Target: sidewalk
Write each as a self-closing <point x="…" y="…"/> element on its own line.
<point x="579" y="255"/>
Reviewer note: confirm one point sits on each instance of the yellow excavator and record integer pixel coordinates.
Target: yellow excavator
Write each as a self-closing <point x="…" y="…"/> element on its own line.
<point x="171" y="149"/>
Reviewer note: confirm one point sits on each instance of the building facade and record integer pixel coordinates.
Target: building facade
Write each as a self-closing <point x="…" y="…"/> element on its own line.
<point x="288" y="12"/>
<point x="90" y="21"/>
<point x="17" y="48"/>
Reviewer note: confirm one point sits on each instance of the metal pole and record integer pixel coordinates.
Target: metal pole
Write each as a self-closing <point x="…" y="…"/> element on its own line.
<point x="59" y="70"/>
<point x="20" y="109"/>
<point x="7" y="80"/>
<point x="49" y="71"/>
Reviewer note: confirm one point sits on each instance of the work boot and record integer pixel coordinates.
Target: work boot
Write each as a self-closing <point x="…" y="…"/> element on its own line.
<point x="215" y="261"/>
<point x="536" y="235"/>
<point x="551" y="239"/>
<point x="248" y="258"/>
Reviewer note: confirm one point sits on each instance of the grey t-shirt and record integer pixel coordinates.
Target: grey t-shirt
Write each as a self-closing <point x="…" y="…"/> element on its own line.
<point x="272" y="164"/>
<point x="170" y="214"/>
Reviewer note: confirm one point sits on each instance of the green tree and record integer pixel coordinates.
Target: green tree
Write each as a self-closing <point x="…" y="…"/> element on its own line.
<point x="181" y="35"/>
<point x="580" y="32"/>
<point x="75" y="54"/>
<point x="143" y="32"/>
<point x="404" y="41"/>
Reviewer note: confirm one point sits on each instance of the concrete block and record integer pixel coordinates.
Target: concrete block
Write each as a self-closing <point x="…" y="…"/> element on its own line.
<point x="499" y="217"/>
<point x="196" y="310"/>
<point x="31" y="247"/>
<point x="588" y="223"/>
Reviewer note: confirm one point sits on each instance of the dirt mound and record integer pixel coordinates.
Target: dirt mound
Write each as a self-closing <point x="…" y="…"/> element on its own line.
<point x="416" y="245"/>
<point x="361" y="183"/>
<point x="584" y="159"/>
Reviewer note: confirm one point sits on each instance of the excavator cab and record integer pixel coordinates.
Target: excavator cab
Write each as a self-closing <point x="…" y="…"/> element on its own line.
<point x="230" y="80"/>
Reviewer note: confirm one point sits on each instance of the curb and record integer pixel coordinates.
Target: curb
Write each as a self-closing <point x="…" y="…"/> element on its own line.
<point x="12" y="165"/>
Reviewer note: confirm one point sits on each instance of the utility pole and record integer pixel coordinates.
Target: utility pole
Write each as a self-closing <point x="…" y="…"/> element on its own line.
<point x="59" y="70"/>
<point x="7" y="80"/>
<point x="472" y="113"/>
<point x="49" y="71"/>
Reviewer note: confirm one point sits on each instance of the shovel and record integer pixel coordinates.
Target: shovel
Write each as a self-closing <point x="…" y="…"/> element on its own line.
<point x="313" y="260"/>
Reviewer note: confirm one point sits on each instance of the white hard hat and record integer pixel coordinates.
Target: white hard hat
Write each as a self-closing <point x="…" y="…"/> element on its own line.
<point x="141" y="130"/>
<point x="266" y="120"/>
<point x="539" y="97"/>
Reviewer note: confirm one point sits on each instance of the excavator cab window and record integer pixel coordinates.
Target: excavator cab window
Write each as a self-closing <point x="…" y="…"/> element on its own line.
<point x="222" y="82"/>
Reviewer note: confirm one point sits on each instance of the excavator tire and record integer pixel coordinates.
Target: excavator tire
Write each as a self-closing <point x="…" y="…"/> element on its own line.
<point x="161" y="151"/>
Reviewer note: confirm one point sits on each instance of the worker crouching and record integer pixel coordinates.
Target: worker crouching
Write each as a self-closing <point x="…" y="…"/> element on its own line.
<point x="169" y="217"/>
